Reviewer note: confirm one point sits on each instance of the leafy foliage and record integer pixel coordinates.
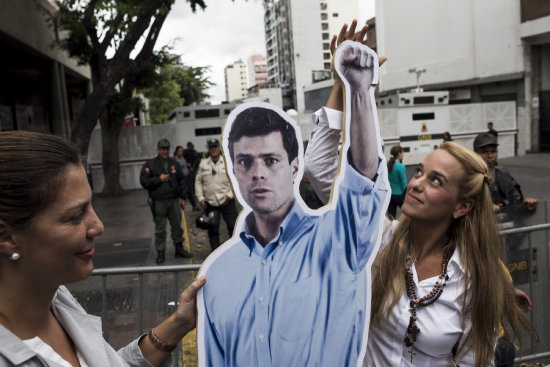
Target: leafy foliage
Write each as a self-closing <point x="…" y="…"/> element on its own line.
<point x="173" y="85"/>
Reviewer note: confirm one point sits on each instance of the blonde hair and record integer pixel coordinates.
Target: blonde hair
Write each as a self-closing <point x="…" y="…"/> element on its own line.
<point x="477" y="239"/>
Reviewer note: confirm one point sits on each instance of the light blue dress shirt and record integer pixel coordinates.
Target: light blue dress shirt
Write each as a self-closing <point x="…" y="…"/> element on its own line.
<point x="301" y="300"/>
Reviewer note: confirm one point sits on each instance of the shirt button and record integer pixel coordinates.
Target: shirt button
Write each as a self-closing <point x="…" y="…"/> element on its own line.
<point x="261" y="337"/>
<point x="281" y="243"/>
<point x="264" y="262"/>
<point x="262" y="299"/>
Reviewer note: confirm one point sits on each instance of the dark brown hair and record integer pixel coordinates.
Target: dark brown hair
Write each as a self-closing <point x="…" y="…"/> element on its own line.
<point x="394" y="154"/>
<point x="31" y="171"/>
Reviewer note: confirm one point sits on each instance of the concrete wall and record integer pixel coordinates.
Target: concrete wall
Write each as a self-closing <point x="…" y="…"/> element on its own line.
<point x="455" y="40"/>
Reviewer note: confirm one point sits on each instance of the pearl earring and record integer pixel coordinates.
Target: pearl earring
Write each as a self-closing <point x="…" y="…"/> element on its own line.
<point x="15" y="256"/>
<point x="455" y="216"/>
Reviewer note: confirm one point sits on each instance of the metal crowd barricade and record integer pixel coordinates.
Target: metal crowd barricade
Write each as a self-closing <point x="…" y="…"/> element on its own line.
<point x="175" y="269"/>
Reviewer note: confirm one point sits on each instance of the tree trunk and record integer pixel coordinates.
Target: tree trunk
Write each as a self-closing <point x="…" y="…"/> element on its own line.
<point x="110" y="132"/>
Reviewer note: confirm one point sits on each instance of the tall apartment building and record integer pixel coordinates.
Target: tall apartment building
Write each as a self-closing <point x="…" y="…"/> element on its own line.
<point x="298" y="34"/>
<point x="257" y="70"/>
<point x="235" y="81"/>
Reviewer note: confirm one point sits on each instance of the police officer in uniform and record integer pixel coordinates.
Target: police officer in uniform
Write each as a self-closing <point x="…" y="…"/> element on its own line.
<point x="163" y="178"/>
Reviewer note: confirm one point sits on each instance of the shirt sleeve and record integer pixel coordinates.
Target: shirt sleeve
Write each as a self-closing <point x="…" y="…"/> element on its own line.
<point x="321" y="157"/>
<point x="147" y="179"/>
<point x="198" y="185"/>
<point x="354" y="226"/>
<point x="132" y="355"/>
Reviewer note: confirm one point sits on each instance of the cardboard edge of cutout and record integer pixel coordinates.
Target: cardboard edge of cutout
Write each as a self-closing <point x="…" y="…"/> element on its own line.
<point x="239" y="225"/>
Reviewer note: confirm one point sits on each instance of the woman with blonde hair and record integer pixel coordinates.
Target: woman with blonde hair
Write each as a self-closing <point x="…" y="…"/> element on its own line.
<point x="440" y="293"/>
<point x="455" y="293"/>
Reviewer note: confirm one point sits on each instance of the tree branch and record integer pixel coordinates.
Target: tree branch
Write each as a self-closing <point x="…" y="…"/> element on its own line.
<point x="152" y="36"/>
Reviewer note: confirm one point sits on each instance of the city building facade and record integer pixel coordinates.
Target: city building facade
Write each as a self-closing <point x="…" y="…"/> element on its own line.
<point x="42" y="88"/>
<point x="236" y="87"/>
<point x="256" y="66"/>
<point x="298" y="35"/>
<point x="490" y="51"/>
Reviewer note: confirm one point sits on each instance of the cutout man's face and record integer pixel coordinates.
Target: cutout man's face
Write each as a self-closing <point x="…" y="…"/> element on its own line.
<point x="263" y="173"/>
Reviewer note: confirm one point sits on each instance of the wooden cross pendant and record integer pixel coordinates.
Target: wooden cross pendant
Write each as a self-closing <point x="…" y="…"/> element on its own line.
<point x="412" y="353"/>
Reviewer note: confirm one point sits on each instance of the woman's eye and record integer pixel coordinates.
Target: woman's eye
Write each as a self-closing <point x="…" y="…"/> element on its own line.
<point x="77" y="217"/>
<point x="436" y="181"/>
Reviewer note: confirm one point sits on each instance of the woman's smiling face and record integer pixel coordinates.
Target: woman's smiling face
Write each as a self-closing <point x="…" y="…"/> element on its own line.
<point x="58" y="246"/>
<point x="433" y="192"/>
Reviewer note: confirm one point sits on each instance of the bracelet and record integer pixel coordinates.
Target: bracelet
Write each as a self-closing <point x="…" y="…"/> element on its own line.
<point x="161" y="344"/>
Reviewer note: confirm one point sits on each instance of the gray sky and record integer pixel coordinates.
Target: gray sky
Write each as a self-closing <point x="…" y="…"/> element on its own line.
<point x="223" y="33"/>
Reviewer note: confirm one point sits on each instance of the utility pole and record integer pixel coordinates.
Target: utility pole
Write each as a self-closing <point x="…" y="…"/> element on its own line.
<point x="417" y="71"/>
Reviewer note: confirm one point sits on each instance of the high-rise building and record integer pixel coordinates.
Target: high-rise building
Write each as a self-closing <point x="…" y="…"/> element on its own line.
<point x="257" y="70"/>
<point x="235" y="81"/>
<point x="298" y="34"/>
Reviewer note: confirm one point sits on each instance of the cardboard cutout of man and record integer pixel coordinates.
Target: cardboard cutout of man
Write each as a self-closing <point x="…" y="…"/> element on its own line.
<point x="290" y="288"/>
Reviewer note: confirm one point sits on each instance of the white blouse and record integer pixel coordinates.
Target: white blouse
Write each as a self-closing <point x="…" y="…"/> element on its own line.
<point x="439" y="324"/>
<point x="50" y="355"/>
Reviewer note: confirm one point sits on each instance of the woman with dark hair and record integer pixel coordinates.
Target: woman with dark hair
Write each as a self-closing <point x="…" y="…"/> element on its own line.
<point x="178" y="156"/>
<point x="47" y="232"/>
<point x="397" y="178"/>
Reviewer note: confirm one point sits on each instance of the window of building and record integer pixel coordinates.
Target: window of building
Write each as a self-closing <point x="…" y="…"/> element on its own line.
<point x="325" y="36"/>
<point x="327" y="65"/>
<point x="324" y="16"/>
<point x="324" y="26"/>
<point x="326" y="56"/>
<point x="213" y="112"/>
<point x="335" y="15"/>
<point x="326" y="46"/>
<point x="208" y="131"/>
<point x="227" y="111"/>
<point x="323" y="6"/>
<point x="186" y="114"/>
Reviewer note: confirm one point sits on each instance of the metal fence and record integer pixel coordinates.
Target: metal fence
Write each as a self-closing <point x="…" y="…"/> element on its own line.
<point x="526" y="255"/>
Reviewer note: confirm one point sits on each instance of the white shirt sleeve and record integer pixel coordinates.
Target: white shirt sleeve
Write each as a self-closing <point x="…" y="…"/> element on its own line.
<point x="321" y="158"/>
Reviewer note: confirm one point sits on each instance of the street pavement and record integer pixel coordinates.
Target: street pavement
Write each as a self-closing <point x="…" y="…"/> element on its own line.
<point x="128" y="241"/>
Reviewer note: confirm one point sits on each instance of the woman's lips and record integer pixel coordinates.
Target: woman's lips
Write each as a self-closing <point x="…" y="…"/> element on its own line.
<point x="413" y="198"/>
<point x="86" y="254"/>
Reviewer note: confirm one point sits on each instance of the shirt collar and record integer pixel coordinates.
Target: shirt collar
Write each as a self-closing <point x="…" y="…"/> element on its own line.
<point x="456" y="262"/>
<point x="220" y="160"/>
<point x="289" y="224"/>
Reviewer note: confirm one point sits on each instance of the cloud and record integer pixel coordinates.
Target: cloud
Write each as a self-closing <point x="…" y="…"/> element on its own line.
<point x="224" y="32"/>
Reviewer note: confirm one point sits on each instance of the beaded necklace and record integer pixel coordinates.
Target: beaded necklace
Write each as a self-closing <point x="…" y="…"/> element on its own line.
<point x="428" y="299"/>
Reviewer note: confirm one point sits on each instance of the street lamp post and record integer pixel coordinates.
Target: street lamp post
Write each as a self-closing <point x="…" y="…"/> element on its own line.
<point x="417" y="71"/>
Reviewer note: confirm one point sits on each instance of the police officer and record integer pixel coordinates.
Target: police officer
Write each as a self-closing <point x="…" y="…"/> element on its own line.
<point x="163" y="178"/>
<point x="504" y="189"/>
<point x="214" y="192"/>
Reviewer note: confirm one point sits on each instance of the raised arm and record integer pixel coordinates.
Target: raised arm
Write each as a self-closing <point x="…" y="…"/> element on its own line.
<point x="321" y="157"/>
<point x="357" y="67"/>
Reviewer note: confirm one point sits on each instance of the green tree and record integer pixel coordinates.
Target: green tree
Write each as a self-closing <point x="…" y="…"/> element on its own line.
<point x="193" y="83"/>
<point x="103" y="34"/>
<point x="175" y="85"/>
